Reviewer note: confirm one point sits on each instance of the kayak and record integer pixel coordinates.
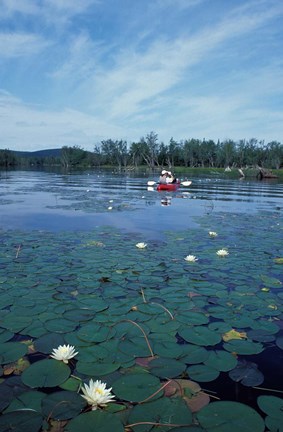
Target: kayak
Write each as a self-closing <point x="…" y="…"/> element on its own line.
<point x="171" y="187"/>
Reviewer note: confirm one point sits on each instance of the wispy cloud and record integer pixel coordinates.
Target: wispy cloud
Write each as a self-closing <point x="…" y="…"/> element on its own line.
<point x="16" y="45"/>
<point x="190" y="67"/>
<point x="31" y="126"/>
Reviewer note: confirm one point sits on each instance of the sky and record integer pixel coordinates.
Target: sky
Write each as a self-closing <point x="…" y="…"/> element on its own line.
<point x="76" y="72"/>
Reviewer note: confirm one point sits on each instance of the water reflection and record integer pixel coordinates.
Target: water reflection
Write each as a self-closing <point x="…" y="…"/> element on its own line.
<point x="79" y="201"/>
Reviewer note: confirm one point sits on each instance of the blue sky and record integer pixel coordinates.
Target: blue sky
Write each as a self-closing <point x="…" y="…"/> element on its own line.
<point x="75" y="72"/>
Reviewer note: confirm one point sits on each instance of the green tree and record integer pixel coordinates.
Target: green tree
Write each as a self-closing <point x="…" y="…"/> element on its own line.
<point x="274" y="154"/>
<point x="150" y="149"/>
<point x="116" y="152"/>
<point x="7" y="158"/>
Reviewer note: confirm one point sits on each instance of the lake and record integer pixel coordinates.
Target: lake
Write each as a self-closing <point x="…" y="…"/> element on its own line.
<point x="82" y="201"/>
<point x="151" y="288"/>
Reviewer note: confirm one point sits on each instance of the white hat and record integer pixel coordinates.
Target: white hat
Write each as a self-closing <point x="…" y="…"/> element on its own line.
<point x="169" y="172"/>
<point x="163" y="172"/>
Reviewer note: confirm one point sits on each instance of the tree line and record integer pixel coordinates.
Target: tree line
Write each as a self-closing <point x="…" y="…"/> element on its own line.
<point x="149" y="152"/>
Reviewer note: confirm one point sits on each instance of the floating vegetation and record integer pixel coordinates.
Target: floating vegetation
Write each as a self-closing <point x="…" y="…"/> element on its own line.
<point x="89" y="307"/>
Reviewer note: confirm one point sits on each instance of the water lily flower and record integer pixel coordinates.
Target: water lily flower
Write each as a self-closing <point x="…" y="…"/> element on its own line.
<point x="141" y="245"/>
<point x="64" y="353"/>
<point x="222" y="252"/>
<point x="191" y="258"/>
<point x="96" y="394"/>
<point x="212" y="234"/>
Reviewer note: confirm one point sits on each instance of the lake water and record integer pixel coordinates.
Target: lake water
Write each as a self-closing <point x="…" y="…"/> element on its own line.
<point x="81" y="201"/>
<point x="71" y="272"/>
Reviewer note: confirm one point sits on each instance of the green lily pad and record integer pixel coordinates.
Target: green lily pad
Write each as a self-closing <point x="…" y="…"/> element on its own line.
<point x="63" y="405"/>
<point x="260" y="335"/>
<point x="168" y="349"/>
<point x="202" y="373"/>
<point x="167" y="367"/>
<point x="5" y="335"/>
<point x="192" y="318"/>
<point x="21" y="421"/>
<point x="15" y="323"/>
<point x="12" y="351"/>
<point x="272" y="406"/>
<point x="46" y="373"/>
<point x="135" y="349"/>
<point x="271" y="281"/>
<point x="95" y="421"/>
<point x="97" y="368"/>
<point x="273" y="424"/>
<point x="200" y="335"/>
<point x="246" y="347"/>
<point x="71" y="384"/>
<point x="29" y="400"/>
<point x="6" y="396"/>
<point x="164" y="411"/>
<point x="193" y="354"/>
<point x="136" y="387"/>
<point x="225" y="416"/>
<point x="48" y="342"/>
<point x="221" y="360"/>
<point x="95" y="333"/>
<point x="60" y="325"/>
<point x="247" y="373"/>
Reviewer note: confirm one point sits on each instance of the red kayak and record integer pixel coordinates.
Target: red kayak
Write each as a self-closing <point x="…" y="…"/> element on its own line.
<point x="171" y="187"/>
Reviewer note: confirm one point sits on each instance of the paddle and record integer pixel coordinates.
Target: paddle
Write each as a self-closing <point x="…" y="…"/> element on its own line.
<point x="183" y="183"/>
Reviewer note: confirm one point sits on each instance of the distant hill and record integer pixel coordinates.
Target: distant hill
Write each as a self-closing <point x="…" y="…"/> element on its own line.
<point x="39" y="153"/>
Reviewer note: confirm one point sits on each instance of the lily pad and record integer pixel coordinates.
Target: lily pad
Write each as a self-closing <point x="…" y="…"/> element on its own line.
<point x="243" y="347"/>
<point x="167" y="367"/>
<point x="97" y="368"/>
<point x="221" y="360"/>
<point x="29" y="400"/>
<point x="190" y="391"/>
<point x="163" y="411"/>
<point x="200" y="335"/>
<point x="48" y="342"/>
<point x="46" y="373"/>
<point x="63" y="405"/>
<point x="225" y="416"/>
<point x="12" y="351"/>
<point x="95" y="421"/>
<point x="21" y="421"/>
<point x="272" y="406"/>
<point x="247" y="373"/>
<point x="136" y="387"/>
<point x="202" y="373"/>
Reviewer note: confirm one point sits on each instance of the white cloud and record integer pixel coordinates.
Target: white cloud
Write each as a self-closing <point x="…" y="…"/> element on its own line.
<point x="137" y="78"/>
<point x="11" y="7"/>
<point x="28" y="127"/>
<point x="193" y="80"/>
<point x="15" y="45"/>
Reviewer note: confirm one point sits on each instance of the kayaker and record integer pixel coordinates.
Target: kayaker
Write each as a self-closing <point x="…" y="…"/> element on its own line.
<point x="170" y="178"/>
<point x="163" y="177"/>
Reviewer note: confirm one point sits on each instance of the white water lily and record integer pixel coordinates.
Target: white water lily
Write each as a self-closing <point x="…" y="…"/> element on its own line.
<point x="222" y="252"/>
<point x="96" y="394"/>
<point x="141" y="245"/>
<point x="212" y="234"/>
<point x="191" y="258"/>
<point x="64" y="353"/>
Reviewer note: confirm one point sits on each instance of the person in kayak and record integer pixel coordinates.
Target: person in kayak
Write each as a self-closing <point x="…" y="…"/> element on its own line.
<point x="170" y="178"/>
<point x="163" y="177"/>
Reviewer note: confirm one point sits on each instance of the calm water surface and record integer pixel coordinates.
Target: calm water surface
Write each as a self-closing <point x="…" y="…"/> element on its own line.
<point x="54" y="201"/>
